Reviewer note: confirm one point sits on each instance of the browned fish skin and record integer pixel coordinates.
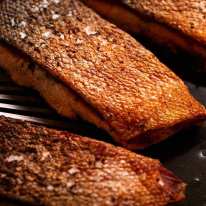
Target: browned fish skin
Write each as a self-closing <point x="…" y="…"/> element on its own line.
<point x="53" y="168"/>
<point x="173" y="23"/>
<point x="185" y="16"/>
<point x="137" y="99"/>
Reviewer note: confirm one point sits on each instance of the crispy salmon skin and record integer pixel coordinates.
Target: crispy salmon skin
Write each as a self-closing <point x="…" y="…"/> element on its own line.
<point x="178" y="25"/>
<point x="84" y="66"/>
<point x="55" y="168"/>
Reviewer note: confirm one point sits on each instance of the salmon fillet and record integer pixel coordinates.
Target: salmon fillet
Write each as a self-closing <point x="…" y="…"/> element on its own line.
<point x="52" y="168"/>
<point x="178" y="25"/>
<point x="84" y="66"/>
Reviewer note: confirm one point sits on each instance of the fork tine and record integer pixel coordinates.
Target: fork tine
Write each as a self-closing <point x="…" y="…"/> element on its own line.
<point x="22" y="103"/>
<point x="25" y="108"/>
<point x="18" y="98"/>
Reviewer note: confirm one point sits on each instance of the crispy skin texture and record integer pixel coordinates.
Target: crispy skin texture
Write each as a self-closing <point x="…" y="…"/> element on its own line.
<point x="48" y="167"/>
<point x="188" y="17"/>
<point x="27" y="73"/>
<point x="179" y="25"/>
<point x="138" y="100"/>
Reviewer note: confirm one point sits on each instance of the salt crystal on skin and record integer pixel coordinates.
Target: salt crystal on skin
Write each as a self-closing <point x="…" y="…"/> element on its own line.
<point x="13" y="22"/>
<point x="23" y="24"/>
<point x="161" y="183"/>
<point x="153" y="97"/>
<point x="89" y="30"/>
<point x="202" y="6"/>
<point x="70" y="184"/>
<point x="73" y="171"/>
<point x="35" y="9"/>
<point x="45" y="154"/>
<point x="13" y="158"/>
<point x="55" y="16"/>
<point x="19" y="181"/>
<point x="47" y="34"/>
<point x="98" y="164"/>
<point x="22" y="35"/>
<point x="124" y="173"/>
<point x="50" y="187"/>
<point x="104" y="42"/>
<point x="122" y="161"/>
<point x="56" y="1"/>
<point x="62" y="36"/>
<point x="3" y="175"/>
<point x="79" y="41"/>
<point x="44" y="4"/>
<point x="70" y="13"/>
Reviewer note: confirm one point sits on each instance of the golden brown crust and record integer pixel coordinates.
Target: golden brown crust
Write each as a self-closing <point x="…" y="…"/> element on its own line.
<point x="188" y="17"/>
<point x="27" y="73"/>
<point x="144" y="18"/>
<point x="53" y="168"/>
<point x="126" y="84"/>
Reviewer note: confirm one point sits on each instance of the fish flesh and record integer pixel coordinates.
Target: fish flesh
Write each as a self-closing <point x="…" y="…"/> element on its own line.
<point x="43" y="166"/>
<point x="86" y="67"/>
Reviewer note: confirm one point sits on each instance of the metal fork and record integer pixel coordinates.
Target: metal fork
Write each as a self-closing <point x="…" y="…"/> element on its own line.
<point x="25" y="104"/>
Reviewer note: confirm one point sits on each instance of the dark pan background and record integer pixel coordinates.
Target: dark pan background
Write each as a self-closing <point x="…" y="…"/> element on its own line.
<point x="184" y="153"/>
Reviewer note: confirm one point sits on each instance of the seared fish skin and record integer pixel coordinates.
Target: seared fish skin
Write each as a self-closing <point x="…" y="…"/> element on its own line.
<point x="108" y="78"/>
<point x="53" y="168"/>
<point x="179" y="25"/>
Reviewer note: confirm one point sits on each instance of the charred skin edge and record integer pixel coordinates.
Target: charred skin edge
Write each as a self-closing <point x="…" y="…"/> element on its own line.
<point x="140" y="141"/>
<point x="156" y="136"/>
<point x="173" y="185"/>
<point x="161" y="178"/>
<point x="157" y="32"/>
<point x="187" y="65"/>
